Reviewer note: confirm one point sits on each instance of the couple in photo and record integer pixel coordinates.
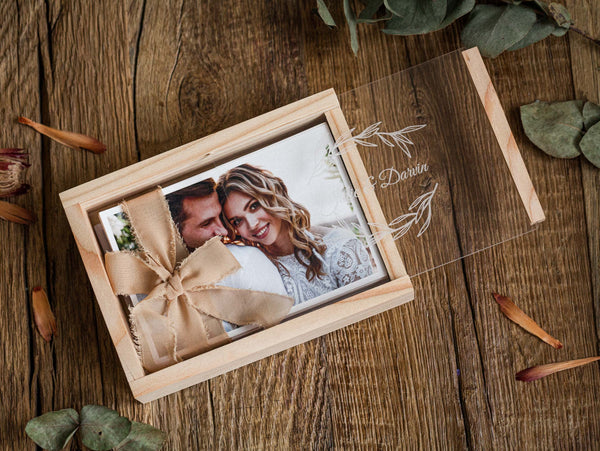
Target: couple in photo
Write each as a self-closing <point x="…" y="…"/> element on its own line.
<point x="269" y="234"/>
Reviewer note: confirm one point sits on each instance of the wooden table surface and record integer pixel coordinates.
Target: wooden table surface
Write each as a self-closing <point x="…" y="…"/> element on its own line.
<point x="146" y="76"/>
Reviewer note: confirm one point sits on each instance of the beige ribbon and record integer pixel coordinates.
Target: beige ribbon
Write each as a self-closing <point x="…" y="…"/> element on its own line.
<point x="182" y="313"/>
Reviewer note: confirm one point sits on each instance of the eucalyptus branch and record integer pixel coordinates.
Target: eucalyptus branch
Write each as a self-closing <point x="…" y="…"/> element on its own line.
<point x="419" y="210"/>
<point x="493" y="27"/>
<point x="584" y="34"/>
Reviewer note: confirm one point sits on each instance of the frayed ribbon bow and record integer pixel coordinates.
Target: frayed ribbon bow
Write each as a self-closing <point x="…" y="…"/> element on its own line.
<point x="182" y="314"/>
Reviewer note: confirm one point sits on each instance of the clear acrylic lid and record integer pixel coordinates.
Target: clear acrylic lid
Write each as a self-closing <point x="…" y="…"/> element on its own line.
<point x="437" y="148"/>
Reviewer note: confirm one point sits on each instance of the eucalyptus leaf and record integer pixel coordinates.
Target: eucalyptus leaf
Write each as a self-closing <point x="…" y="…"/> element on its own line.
<point x="590" y="145"/>
<point x="543" y="6"/>
<point x="414" y="16"/>
<point x="560" y="14"/>
<point x="351" y="19"/>
<point x="591" y="114"/>
<point x="53" y="430"/>
<point x="560" y="31"/>
<point x="542" y="28"/>
<point x="102" y="428"/>
<point x="368" y="14"/>
<point x="142" y="437"/>
<point x="455" y="10"/>
<point x="497" y="28"/>
<point x="325" y="14"/>
<point x="556" y="128"/>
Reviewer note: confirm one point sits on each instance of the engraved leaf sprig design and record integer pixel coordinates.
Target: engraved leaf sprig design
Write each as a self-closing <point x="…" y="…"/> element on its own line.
<point x="396" y="138"/>
<point x="402" y="224"/>
<point x="399" y="138"/>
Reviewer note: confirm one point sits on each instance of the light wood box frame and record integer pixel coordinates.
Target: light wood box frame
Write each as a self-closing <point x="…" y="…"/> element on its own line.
<point x="80" y="201"/>
<point x="135" y="179"/>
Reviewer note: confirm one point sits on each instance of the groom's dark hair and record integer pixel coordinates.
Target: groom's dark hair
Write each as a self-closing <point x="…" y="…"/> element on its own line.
<point x="197" y="190"/>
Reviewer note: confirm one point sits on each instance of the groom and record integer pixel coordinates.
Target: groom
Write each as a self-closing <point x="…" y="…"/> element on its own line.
<point x="196" y="212"/>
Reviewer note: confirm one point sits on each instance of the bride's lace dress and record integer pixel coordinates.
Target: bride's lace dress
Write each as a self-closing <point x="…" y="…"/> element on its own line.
<point x="345" y="260"/>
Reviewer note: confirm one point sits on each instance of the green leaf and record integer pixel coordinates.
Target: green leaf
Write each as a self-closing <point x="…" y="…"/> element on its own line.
<point x="455" y="10"/>
<point x="414" y="16"/>
<point x="556" y="128"/>
<point x="542" y="28"/>
<point x="53" y="430"/>
<point x="102" y="428"/>
<point x="496" y="28"/>
<point x="591" y="114"/>
<point x="142" y="437"/>
<point x="351" y="19"/>
<point x="590" y="145"/>
<point x="325" y="14"/>
<point x="543" y="6"/>
<point x="560" y="14"/>
<point x="367" y="15"/>
<point x="560" y="31"/>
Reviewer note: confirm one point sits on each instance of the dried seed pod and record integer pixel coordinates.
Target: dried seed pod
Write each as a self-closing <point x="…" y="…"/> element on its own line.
<point x="537" y="372"/>
<point x="69" y="139"/>
<point x="42" y="314"/>
<point x="14" y="213"/>
<point x="517" y="315"/>
<point x="13" y="167"/>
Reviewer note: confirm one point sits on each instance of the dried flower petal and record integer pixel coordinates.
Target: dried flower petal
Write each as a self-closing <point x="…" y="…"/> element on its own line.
<point x="537" y="372"/>
<point x="517" y="315"/>
<point x="13" y="166"/>
<point x="42" y="314"/>
<point x="69" y="139"/>
<point x="14" y="213"/>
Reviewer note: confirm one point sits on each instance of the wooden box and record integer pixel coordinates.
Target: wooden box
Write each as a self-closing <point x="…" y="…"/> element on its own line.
<point x="82" y="201"/>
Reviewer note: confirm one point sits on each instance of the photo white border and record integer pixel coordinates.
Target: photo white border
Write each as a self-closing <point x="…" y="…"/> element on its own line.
<point x="379" y="275"/>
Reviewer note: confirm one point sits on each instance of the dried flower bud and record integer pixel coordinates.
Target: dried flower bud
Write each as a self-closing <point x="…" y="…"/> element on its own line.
<point x="42" y="314"/>
<point x="69" y="139"/>
<point x="14" y="213"/>
<point x="13" y="167"/>
<point x="537" y="372"/>
<point x="517" y="315"/>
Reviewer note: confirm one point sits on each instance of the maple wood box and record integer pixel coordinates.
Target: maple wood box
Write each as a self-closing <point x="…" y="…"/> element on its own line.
<point x="82" y="202"/>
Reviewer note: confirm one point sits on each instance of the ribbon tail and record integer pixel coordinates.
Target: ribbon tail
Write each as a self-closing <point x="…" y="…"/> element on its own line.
<point x="242" y="307"/>
<point x="196" y="332"/>
<point x="153" y="334"/>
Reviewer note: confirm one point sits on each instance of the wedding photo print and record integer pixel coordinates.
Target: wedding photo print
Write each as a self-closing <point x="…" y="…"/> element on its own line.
<point x="287" y="212"/>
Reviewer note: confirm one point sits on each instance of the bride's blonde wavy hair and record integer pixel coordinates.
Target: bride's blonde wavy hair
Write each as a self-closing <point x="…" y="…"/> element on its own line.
<point x="272" y="195"/>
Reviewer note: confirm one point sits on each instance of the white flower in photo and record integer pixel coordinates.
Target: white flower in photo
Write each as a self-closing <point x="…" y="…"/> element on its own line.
<point x="116" y="226"/>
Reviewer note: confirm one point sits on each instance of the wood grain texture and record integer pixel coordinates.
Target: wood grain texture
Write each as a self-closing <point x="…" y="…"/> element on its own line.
<point x="586" y="82"/>
<point x="438" y="373"/>
<point x="27" y="361"/>
<point x="553" y="287"/>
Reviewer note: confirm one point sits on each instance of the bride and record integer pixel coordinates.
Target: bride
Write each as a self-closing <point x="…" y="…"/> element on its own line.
<point x="312" y="261"/>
